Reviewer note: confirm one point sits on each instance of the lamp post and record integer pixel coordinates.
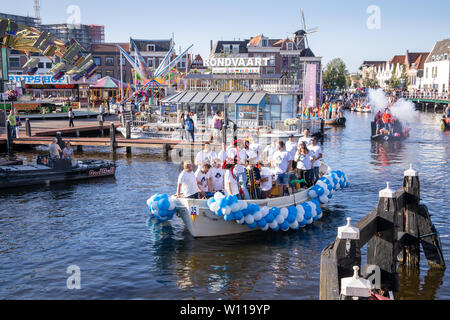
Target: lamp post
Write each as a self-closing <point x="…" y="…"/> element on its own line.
<point x="225" y="120"/>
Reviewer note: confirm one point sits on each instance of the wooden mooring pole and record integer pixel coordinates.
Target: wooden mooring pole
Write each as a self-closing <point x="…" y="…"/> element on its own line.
<point x="393" y="233"/>
<point x="128" y="134"/>
<point x="112" y="134"/>
<point x="28" y="127"/>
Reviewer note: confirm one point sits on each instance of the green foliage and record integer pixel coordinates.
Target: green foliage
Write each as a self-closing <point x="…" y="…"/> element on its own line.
<point x="335" y="75"/>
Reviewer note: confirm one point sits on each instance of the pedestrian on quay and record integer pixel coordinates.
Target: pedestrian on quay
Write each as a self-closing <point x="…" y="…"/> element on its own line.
<point x="190" y="128"/>
<point x="18" y="124"/>
<point x="12" y="123"/>
<point x="71" y="117"/>
<point x="217" y="125"/>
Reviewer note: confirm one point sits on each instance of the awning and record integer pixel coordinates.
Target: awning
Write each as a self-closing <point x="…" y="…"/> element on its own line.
<point x="220" y="99"/>
<point x="245" y="98"/>
<point x="173" y="97"/>
<point x="257" y="98"/>
<point x="234" y="97"/>
<point x="187" y="97"/>
<point x="210" y="97"/>
<point x="199" y="97"/>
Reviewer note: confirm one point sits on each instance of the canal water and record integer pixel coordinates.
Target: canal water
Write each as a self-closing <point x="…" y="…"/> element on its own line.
<point x="102" y="227"/>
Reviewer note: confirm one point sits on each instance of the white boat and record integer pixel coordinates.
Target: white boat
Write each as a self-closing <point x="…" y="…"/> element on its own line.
<point x="364" y="109"/>
<point x="202" y="221"/>
<point x="208" y="224"/>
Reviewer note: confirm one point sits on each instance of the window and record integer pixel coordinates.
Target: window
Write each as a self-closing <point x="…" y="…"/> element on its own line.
<point x="150" y="62"/>
<point x="235" y="48"/>
<point x="124" y="74"/>
<point x="98" y="61"/>
<point x="109" y="73"/>
<point x="109" y="61"/>
<point x="99" y="74"/>
<point x="41" y="65"/>
<point x="265" y="43"/>
<point x="271" y="62"/>
<point x="290" y="46"/>
<point x="14" y="62"/>
<point x="48" y="65"/>
<point x="426" y="73"/>
<point x="294" y="62"/>
<point x="226" y="48"/>
<point x="151" y="47"/>
<point x="285" y="62"/>
<point x="124" y="62"/>
<point x="270" y="70"/>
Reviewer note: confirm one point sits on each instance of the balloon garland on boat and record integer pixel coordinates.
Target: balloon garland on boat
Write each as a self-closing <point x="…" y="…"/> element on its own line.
<point x="265" y="218"/>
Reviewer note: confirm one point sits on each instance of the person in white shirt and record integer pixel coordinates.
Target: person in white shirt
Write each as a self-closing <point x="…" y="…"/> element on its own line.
<point x="239" y="169"/>
<point x="316" y="150"/>
<point x="204" y="178"/>
<point x="269" y="151"/>
<point x="282" y="164"/>
<point x="217" y="175"/>
<point x="230" y="184"/>
<point x="291" y="147"/>
<point x="187" y="183"/>
<point x="306" y="138"/>
<point x="304" y="165"/>
<point x="256" y="148"/>
<point x="223" y="153"/>
<point x="206" y="155"/>
<point x="266" y="180"/>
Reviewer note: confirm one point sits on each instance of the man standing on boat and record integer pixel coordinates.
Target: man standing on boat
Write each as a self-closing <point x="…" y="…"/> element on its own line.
<point x="206" y="155"/>
<point x="54" y="149"/>
<point x="187" y="183"/>
<point x="316" y="150"/>
<point x="217" y="126"/>
<point x="282" y="163"/>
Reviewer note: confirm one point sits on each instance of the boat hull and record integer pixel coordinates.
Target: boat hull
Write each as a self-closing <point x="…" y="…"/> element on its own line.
<point x="208" y="224"/>
<point x="20" y="176"/>
<point x="336" y="122"/>
<point x="387" y="138"/>
<point x="445" y="124"/>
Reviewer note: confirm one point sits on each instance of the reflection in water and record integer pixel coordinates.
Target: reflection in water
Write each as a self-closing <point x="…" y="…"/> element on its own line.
<point x="103" y="225"/>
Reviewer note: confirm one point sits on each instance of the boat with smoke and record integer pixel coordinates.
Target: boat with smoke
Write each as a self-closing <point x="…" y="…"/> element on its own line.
<point x="220" y="215"/>
<point x="398" y="133"/>
<point x="47" y="170"/>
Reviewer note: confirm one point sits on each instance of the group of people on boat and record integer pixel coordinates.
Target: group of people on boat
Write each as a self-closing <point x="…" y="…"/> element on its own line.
<point x="56" y="152"/>
<point x="387" y="123"/>
<point x="244" y="170"/>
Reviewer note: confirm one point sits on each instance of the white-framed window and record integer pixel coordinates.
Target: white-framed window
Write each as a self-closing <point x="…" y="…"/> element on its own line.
<point x="14" y="62"/>
<point x="150" y="47"/>
<point x="226" y="48"/>
<point x="109" y="61"/>
<point x="235" y="48"/>
<point x="290" y="46"/>
<point x="265" y="43"/>
<point x="150" y="62"/>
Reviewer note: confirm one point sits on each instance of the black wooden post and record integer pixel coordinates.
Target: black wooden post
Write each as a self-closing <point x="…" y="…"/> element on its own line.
<point x="9" y="142"/>
<point x="128" y="134"/>
<point x="112" y="134"/>
<point x="429" y="239"/>
<point x="28" y="127"/>
<point x="381" y="248"/>
<point x="100" y="122"/>
<point x="411" y="186"/>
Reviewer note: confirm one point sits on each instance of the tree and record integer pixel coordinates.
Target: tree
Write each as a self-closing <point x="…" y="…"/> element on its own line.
<point x="335" y="75"/>
<point x="404" y="80"/>
<point x="370" y="80"/>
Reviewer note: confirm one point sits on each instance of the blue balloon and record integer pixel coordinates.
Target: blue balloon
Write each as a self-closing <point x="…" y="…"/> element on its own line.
<point x="275" y="229"/>
<point x="253" y="225"/>
<point x="163" y="204"/>
<point x="292" y="210"/>
<point x="229" y="200"/>
<point x="303" y="223"/>
<point x="269" y="217"/>
<point x="219" y="213"/>
<point x="320" y="191"/>
<point x="228" y="217"/>
<point x="275" y="211"/>
<point x="253" y="208"/>
<point x="247" y="212"/>
<point x="330" y="196"/>
<point x="238" y="215"/>
<point x="308" y="214"/>
<point x="223" y="203"/>
<point x="316" y="218"/>
<point x="285" y="226"/>
<point x="262" y="223"/>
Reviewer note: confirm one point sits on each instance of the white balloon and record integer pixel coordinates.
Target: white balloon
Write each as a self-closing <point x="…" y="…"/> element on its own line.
<point x="257" y="215"/>
<point x="320" y="215"/>
<point x="313" y="206"/>
<point x="235" y="207"/>
<point x="284" y="213"/>
<point x="324" y="199"/>
<point x="310" y="221"/>
<point x="148" y="201"/>
<point x="243" y="205"/>
<point x="274" y="224"/>
<point x="327" y="192"/>
<point x="314" y="213"/>
<point x="280" y="219"/>
<point x="300" y="210"/>
<point x="172" y="205"/>
<point x="266" y="227"/>
<point x="249" y="219"/>
<point x="218" y="196"/>
<point x="312" y="194"/>
<point x="226" y="211"/>
<point x="294" y="225"/>
<point x="154" y="206"/>
<point x="241" y="221"/>
<point x="264" y="211"/>
<point x="214" y="207"/>
<point x="321" y="184"/>
<point x="300" y="217"/>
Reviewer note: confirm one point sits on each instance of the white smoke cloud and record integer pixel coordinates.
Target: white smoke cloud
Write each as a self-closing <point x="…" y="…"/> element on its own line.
<point x="377" y="99"/>
<point x="404" y="110"/>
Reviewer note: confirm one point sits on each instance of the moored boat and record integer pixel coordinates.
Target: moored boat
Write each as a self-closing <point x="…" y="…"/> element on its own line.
<point x="48" y="171"/>
<point x="364" y="109"/>
<point x="336" y="122"/>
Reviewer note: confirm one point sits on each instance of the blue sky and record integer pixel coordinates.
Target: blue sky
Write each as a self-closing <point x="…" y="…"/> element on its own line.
<point x="343" y="31"/>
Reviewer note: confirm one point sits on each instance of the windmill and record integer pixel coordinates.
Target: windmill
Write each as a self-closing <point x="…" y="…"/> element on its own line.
<point x="302" y="34"/>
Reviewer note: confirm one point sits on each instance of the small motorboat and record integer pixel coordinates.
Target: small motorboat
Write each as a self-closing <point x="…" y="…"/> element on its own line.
<point x="445" y="123"/>
<point x="336" y="122"/>
<point x="48" y="170"/>
<point x="364" y="109"/>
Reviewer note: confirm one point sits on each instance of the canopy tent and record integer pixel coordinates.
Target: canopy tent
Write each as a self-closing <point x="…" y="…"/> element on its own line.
<point x="107" y="83"/>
